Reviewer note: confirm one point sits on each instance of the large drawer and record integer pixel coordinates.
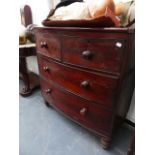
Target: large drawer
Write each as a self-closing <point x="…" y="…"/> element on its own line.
<point x="99" y="54"/>
<point x="87" y="114"/>
<point x="96" y="88"/>
<point x="49" y="45"/>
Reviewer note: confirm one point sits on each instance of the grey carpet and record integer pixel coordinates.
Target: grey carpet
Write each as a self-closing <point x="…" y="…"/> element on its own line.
<point x="44" y="131"/>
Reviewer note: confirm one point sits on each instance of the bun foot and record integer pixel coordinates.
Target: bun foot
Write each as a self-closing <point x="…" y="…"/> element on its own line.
<point x="105" y="142"/>
<point x="47" y="104"/>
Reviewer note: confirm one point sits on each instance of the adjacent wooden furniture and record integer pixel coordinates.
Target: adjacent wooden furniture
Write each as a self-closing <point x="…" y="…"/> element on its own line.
<point x="26" y="15"/>
<point x="30" y="79"/>
<point x="88" y="74"/>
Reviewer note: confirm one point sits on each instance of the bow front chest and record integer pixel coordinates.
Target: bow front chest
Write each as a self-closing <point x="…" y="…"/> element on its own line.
<point x="87" y="74"/>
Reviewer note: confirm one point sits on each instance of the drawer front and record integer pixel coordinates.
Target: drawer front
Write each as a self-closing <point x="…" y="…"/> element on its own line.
<point x="96" y="88"/>
<point x="49" y="45"/>
<point x="99" y="54"/>
<point x="87" y="114"/>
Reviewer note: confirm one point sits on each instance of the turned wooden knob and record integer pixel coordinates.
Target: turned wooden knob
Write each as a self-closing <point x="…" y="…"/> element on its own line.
<point x="46" y="68"/>
<point x="47" y="91"/>
<point x="87" y="55"/>
<point x="118" y="44"/>
<point x="85" y="84"/>
<point x="43" y="44"/>
<point x="83" y="111"/>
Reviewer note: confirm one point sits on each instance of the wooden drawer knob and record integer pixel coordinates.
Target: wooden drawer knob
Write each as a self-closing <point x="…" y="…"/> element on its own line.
<point x="87" y="55"/>
<point x="43" y="44"/>
<point x="118" y="44"/>
<point x="85" y="84"/>
<point x="46" y="68"/>
<point x="83" y="111"/>
<point x="48" y="91"/>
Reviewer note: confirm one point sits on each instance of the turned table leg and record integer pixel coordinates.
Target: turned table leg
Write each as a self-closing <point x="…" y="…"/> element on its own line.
<point x="26" y="91"/>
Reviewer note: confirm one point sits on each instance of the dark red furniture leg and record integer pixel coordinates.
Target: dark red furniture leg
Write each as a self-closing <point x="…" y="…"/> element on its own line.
<point x="26" y="91"/>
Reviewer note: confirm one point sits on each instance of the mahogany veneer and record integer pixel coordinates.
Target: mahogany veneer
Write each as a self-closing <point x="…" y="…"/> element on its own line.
<point x="88" y="74"/>
<point x="97" y="88"/>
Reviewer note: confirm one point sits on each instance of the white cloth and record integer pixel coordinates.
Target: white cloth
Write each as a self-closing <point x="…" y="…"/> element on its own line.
<point x="73" y="11"/>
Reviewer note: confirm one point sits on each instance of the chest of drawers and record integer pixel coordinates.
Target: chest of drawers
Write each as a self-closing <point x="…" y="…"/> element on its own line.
<point x="87" y="75"/>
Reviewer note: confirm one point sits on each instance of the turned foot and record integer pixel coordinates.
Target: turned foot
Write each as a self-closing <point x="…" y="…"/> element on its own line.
<point x="105" y="142"/>
<point x="47" y="104"/>
<point x="26" y="91"/>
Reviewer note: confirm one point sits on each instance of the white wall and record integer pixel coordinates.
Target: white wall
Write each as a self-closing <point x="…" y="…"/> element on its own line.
<point x="40" y="9"/>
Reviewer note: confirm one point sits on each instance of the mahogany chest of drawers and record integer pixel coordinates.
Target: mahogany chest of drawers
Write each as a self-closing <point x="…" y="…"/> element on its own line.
<point x="87" y="74"/>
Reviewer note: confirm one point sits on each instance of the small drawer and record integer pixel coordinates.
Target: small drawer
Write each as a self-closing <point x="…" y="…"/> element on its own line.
<point x="98" y="54"/>
<point x="49" y="45"/>
<point x="96" y="88"/>
<point x="85" y="113"/>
